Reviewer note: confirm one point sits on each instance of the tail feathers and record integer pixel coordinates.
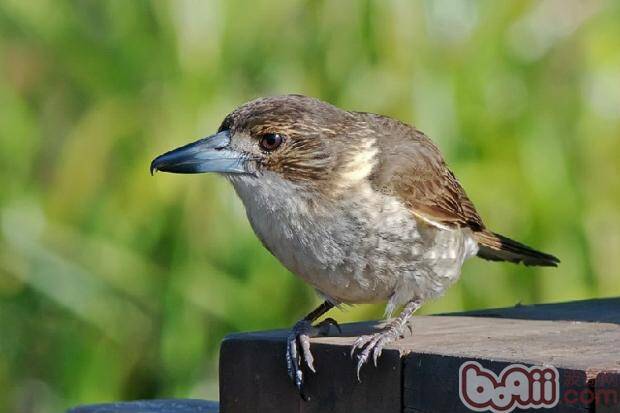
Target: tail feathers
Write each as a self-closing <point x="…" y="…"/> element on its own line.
<point x="496" y="247"/>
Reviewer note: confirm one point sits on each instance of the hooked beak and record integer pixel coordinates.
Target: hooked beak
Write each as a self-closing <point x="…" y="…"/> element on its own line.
<point x="211" y="154"/>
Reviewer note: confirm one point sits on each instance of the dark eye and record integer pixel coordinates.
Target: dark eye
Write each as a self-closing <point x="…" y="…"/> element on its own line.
<point x="270" y="141"/>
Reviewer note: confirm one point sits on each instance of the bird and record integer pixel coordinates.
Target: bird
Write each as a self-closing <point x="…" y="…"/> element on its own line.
<point x="361" y="206"/>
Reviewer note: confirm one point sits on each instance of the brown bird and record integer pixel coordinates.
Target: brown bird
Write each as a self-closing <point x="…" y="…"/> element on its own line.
<point x="360" y="206"/>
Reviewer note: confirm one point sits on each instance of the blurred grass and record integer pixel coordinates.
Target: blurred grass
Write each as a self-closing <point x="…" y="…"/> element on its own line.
<point x="117" y="285"/>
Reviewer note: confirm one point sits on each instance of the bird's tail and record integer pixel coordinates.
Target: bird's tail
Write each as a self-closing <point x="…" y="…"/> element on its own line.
<point x="496" y="247"/>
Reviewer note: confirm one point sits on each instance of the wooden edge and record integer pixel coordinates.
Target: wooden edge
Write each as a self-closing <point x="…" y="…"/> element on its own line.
<point x="151" y="406"/>
<point x="601" y="310"/>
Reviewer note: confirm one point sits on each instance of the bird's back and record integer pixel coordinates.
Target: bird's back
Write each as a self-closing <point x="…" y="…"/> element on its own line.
<point x="412" y="168"/>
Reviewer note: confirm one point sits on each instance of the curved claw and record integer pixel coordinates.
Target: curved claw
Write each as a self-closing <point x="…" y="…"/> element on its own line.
<point x="369" y="346"/>
<point x="298" y="352"/>
<point x="298" y="349"/>
<point x="292" y="360"/>
<point x="358" y="343"/>
<point x="373" y="345"/>
<point x="304" y="341"/>
<point x="324" y="325"/>
<point x="378" y="349"/>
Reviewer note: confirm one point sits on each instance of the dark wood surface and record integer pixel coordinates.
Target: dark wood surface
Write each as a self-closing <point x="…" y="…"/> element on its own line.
<point x="151" y="406"/>
<point x="431" y="384"/>
<point x="420" y="373"/>
<point x="253" y="378"/>
<point x="604" y="310"/>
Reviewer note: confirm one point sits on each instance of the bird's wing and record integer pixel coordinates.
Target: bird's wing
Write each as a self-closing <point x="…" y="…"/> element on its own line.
<point x="412" y="168"/>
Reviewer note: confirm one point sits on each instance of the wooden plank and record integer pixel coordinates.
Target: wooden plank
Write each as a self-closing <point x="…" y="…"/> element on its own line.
<point x="253" y="378"/>
<point x="151" y="406"/>
<point x="431" y="385"/>
<point x="441" y="344"/>
<point x="602" y="310"/>
<point x="253" y="372"/>
<point x="529" y="341"/>
<point x="575" y="345"/>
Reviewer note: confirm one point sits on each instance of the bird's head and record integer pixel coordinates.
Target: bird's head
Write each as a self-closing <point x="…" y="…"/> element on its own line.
<point x="293" y="138"/>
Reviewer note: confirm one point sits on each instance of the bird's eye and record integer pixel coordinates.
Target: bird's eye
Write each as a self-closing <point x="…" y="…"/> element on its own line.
<point x="271" y="141"/>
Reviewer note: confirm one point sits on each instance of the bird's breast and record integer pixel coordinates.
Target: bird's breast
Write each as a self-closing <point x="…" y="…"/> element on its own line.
<point x="360" y="247"/>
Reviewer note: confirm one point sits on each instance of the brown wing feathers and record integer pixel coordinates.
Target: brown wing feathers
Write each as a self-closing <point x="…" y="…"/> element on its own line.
<point x="418" y="174"/>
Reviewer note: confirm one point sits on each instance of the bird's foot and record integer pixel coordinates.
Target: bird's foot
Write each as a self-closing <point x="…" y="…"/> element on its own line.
<point x="298" y="351"/>
<point x="373" y="344"/>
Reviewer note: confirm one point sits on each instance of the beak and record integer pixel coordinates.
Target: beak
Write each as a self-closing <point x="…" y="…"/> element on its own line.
<point x="211" y="154"/>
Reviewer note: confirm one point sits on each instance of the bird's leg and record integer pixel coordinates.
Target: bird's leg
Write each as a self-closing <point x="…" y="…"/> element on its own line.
<point x="298" y="342"/>
<point x="374" y="343"/>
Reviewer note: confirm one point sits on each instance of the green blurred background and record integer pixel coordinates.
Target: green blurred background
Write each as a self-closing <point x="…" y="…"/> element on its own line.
<point x="116" y="285"/>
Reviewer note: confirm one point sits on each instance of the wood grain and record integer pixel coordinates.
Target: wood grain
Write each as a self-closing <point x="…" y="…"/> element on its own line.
<point x="420" y="373"/>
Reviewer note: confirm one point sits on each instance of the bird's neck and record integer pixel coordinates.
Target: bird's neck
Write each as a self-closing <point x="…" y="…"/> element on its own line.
<point x="275" y="197"/>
